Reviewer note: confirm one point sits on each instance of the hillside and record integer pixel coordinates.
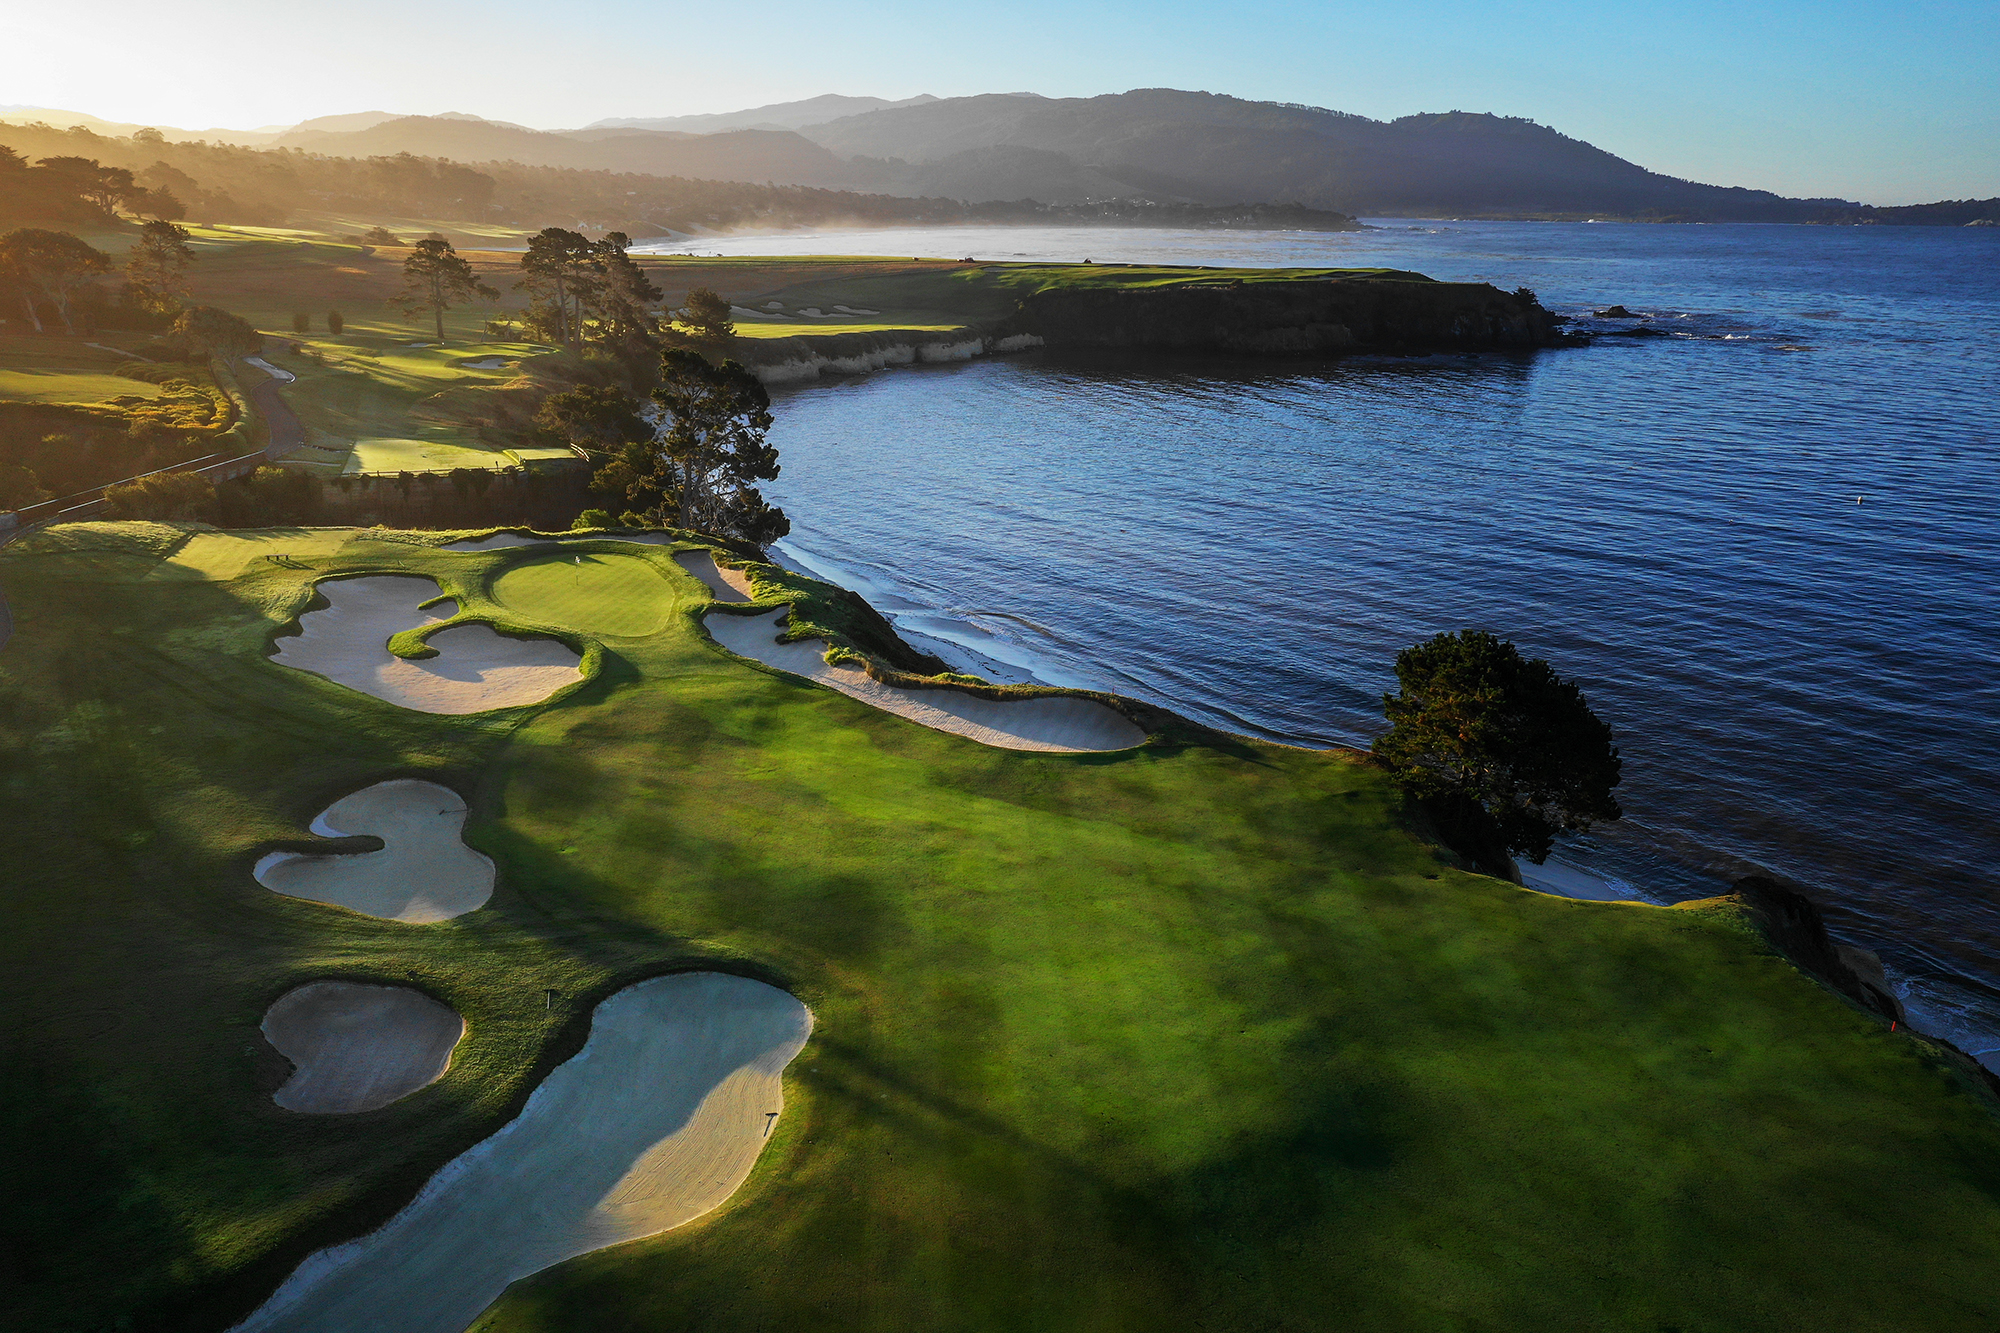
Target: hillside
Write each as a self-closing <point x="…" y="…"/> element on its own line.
<point x="776" y="116"/>
<point x="1206" y="147"/>
<point x="731" y="155"/>
<point x="1159" y="144"/>
<point x="1138" y="157"/>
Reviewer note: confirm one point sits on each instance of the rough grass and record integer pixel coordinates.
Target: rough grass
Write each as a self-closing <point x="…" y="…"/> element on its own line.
<point x="1193" y="1036"/>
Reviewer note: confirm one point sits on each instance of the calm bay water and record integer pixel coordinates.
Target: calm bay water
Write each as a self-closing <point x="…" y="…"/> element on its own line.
<point x="1800" y="683"/>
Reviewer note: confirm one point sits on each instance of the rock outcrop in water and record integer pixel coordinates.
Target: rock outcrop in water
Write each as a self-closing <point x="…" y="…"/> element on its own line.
<point x="1304" y="318"/>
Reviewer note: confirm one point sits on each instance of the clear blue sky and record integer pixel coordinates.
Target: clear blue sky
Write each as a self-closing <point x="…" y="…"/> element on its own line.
<point x="1887" y="102"/>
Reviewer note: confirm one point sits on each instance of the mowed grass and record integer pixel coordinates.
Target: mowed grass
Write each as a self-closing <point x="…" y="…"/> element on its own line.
<point x="1193" y="1036"/>
<point x="372" y="400"/>
<point x="70" y="386"/>
<point x="616" y="595"/>
<point x="51" y="368"/>
<point x="941" y="294"/>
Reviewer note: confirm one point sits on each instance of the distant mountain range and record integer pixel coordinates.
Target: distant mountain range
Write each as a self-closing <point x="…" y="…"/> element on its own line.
<point x="777" y="116"/>
<point x="1158" y="144"/>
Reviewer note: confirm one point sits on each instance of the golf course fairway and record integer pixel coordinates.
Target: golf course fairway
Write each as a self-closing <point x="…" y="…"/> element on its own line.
<point x="1197" y="1034"/>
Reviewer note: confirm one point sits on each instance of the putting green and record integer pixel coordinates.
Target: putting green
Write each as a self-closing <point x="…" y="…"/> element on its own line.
<point x="623" y="596"/>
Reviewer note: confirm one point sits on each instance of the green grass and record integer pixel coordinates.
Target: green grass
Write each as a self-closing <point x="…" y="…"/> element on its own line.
<point x="374" y="402"/>
<point x="1194" y="1036"/>
<point x="619" y="596"/>
<point x="941" y="296"/>
<point x="70" y="386"/>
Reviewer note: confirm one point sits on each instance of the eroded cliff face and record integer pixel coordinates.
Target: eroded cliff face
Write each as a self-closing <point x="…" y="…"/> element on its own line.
<point x="1306" y="318"/>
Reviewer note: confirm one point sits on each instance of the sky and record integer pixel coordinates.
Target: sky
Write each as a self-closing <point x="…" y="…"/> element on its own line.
<point x="1888" y="102"/>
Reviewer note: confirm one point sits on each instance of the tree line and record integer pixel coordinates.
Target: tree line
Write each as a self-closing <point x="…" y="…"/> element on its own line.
<point x="267" y="186"/>
<point x="694" y="459"/>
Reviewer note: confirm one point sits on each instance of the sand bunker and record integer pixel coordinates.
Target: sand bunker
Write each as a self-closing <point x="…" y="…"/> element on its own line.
<point x="358" y="1047"/>
<point x="657" y="1120"/>
<point x="475" y="670"/>
<point x="424" y="871"/>
<point x="728" y="585"/>
<point x="1055" y="723"/>
<point x="278" y="373"/>
<point x="484" y="363"/>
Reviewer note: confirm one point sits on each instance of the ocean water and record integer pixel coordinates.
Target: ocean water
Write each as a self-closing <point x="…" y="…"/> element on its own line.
<point x="1767" y="544"/>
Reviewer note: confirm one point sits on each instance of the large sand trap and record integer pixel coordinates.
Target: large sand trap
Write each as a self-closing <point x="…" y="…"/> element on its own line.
<point x="728" y="585"/>
<point x="1064" y="725"/>
<point x="423" y="872"/>
<point x="358" y="1047"/>
<point x="657" y="1120"/>
<point x="504" y="539"/>
<point x="475" y="670"/>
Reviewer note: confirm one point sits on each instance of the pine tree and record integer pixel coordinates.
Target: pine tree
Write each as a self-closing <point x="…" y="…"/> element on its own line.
<point x="436" y="278"/>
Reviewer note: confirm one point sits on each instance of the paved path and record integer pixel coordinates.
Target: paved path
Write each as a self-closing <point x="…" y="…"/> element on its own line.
<point x="286" y="432"/>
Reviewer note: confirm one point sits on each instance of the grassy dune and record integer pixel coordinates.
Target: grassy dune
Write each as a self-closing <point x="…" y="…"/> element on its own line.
<point x="1196" y="1035"/>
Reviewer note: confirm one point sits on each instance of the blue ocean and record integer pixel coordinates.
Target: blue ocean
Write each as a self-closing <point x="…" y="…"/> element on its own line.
<point x="1767" y="543"/>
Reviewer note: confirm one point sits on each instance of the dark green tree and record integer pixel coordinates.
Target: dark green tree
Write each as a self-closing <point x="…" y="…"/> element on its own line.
<point x="172" y="496"/>
<point x="205" y="331"/>
<point x="704" y="323"/>
<point x="562" y="275"/>
<point x="596" y="418"/>
<point x="1503" y="747"/>
<point x="621" y="304"/>
<point x="156" y="268"/>
<point x="164" y="205"/>
<point x="335" y="322"/>
<point x="105" y="187"/>
<point x="436" y="278"/>
<point x="51" y="264"/>
<point x="697" y="470"/>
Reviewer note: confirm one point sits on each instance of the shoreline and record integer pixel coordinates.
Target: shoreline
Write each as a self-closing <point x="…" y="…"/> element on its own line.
<point x="945" y="637"/>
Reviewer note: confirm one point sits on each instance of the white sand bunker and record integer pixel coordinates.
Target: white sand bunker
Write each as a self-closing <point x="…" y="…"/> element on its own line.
<point x="1056" y="723"/>
<point x="484" y="363"/>
<point x="423" y="872"/>
<point x="475" y="670"/>
<point x="358" y="1047"/>
<point x="657" y="1120"/>
<point x="728" y="585"/>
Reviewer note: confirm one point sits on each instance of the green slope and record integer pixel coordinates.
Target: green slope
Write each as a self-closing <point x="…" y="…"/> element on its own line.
<point x="1194" y="1036"/>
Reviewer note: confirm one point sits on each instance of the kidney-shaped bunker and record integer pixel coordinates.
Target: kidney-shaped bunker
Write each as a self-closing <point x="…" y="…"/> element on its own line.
<point x="475" y="668"/>
<point x="423" y="872"/>
<point x="358" y="1047"/>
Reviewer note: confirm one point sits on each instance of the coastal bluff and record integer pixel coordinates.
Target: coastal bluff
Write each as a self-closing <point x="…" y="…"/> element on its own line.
<point x="1294" y="313"/>
<point x="1299" y="318"/>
